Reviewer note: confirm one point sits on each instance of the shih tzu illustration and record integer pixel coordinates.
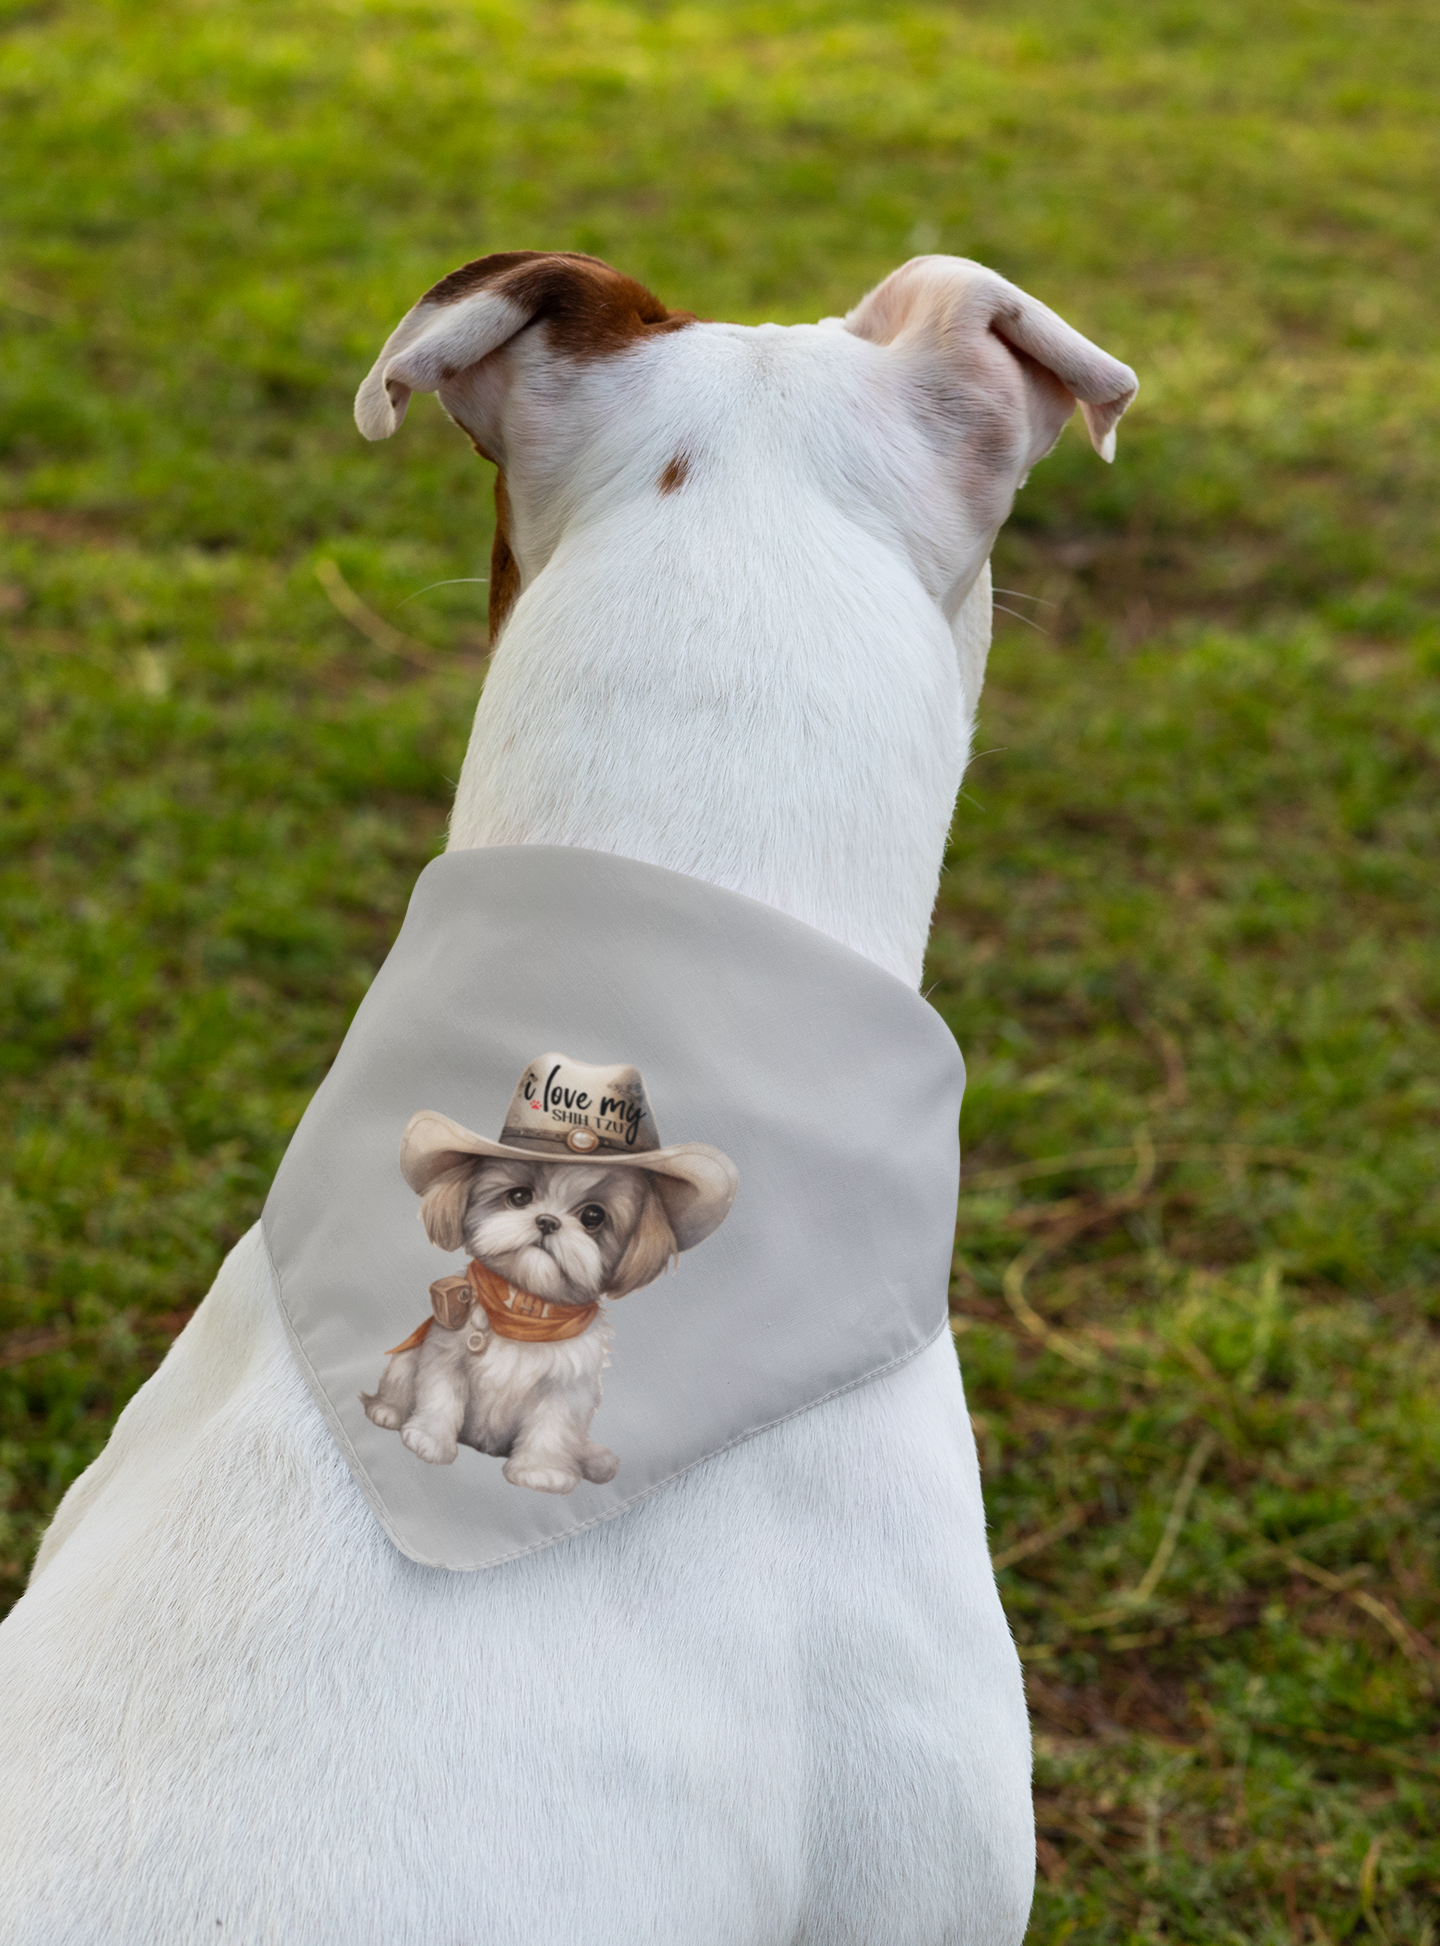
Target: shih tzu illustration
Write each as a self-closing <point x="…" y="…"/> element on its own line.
<point x="577" y="1203"/>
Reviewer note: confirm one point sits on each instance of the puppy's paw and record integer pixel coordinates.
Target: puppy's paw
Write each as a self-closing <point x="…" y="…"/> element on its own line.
<point x="424" y="1445"/>
<point x="539" y="1478"/>
<point x="388" y="1417"/>
<point x="599" y="1464"/>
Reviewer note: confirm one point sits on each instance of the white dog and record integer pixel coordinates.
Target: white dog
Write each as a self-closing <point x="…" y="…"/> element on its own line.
<point x="743" y="586"/>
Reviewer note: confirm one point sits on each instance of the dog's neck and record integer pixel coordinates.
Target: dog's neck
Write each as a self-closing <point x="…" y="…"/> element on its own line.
<point x="520" y="1314"/>
<point x="745" y="680"/>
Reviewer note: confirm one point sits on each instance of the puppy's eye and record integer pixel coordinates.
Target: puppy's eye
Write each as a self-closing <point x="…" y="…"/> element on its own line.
<point x="519" y="1198"/>
<point x="592" y="1216"/>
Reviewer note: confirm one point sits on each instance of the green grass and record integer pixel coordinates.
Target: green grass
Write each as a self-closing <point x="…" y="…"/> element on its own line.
<point x="1186" y="933"/>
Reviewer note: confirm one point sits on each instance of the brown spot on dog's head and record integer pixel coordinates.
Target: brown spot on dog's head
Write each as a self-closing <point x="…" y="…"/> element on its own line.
<point x="592" y="310"/>
<point x="504" y="570"/>
<point x="675" y="475"/>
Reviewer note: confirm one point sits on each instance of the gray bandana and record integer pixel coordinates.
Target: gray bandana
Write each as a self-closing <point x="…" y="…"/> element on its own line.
<point x="594" y="1117"/>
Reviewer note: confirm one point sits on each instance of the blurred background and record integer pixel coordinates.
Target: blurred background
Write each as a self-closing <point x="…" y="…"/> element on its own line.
<point x="1187" y="928"/>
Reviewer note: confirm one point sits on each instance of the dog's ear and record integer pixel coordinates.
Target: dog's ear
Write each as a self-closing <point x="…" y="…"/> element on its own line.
<point x="592" y="311"/>
<point x="443" y="1206"/>
<point x="966" y="324"/>
<point x="651" y="1246"/>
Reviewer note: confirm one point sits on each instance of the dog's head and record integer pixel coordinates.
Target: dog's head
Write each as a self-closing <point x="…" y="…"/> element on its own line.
<point x="563" y="1231"/>
<point x="916" y="416"/>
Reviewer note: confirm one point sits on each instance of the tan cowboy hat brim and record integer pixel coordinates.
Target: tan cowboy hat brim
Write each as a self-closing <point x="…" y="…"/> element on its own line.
<point x="697" y="1184"/>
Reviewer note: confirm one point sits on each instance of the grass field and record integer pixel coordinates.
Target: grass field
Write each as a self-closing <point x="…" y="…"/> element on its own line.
<point x="1187" y="930"/>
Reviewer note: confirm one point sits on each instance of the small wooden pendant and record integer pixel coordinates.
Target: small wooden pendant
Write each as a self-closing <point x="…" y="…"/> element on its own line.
<point x="450" y="1300"/>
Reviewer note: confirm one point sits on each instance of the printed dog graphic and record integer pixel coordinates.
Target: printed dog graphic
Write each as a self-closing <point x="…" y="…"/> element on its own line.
<point x="578" y="1203"/>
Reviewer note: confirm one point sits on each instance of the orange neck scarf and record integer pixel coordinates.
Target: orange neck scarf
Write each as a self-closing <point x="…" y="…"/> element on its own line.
<point x="519" y="1314"/>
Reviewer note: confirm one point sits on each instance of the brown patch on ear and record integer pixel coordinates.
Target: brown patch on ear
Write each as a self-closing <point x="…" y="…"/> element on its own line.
<point x="475" y="275"/>
<point x="676" y="473"/>
<point x="592" y="310"/>
<point x="504" y="573"/>
<point x="651" y="1246"/>
<point x="442" y="1207"/>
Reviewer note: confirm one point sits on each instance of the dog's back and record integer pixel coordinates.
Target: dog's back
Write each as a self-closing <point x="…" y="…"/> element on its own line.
<point x="741" y="577"/>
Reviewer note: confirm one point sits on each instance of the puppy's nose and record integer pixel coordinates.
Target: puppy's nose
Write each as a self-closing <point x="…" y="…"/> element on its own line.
<point x="547" y="1225"/>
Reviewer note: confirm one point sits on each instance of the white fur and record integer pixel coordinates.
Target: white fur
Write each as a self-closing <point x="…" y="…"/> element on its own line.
<point x="777" y="1703"/>
<point x="805" y="723"/>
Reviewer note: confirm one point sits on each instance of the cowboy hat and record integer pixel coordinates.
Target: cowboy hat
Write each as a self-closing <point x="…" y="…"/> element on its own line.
<point x="565" y="1111"/>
